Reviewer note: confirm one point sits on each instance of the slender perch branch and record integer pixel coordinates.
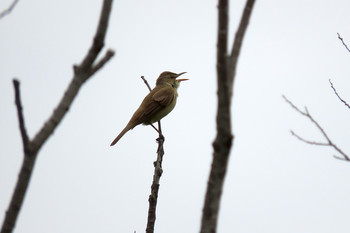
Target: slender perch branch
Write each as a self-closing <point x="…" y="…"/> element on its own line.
<point x="158" y="171"/>
<point x="153" y="197"/>
<point x="146" y="83"/>
<point x="32" y="147"/>
<point x="226" y="69"/>
<point x="336" y="93"/>
<point x="341" y="39"/>
<point x="328" y="142"/>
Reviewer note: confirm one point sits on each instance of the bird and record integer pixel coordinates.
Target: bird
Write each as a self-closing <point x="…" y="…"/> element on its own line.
<point x="157" y="104"/>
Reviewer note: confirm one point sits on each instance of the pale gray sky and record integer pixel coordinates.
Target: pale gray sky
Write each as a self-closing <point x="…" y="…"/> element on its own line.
<point x="274" y="184"/>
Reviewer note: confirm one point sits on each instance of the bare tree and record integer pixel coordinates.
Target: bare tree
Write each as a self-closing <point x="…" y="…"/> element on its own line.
<point x="226" y="70"/>
<point x="87" y="68"/>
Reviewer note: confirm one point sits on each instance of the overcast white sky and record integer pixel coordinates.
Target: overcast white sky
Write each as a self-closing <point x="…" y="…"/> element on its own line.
<point x="275" y="183"/>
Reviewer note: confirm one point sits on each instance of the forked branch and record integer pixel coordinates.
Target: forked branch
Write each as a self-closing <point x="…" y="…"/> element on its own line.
<point x="82" y="72"/>
<point x="328" y="142"/>
<point x="226" y="66"/>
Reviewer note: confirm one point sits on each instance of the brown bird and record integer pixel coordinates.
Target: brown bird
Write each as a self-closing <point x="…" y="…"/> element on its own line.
<point x="157" y="104"/>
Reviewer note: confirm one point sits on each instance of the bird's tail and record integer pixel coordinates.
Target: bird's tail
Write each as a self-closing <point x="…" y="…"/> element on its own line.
<point x="126" y="129"/>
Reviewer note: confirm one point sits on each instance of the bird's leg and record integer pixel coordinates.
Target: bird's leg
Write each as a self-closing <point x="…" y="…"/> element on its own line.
<point x="161" y="137"/>
<point x="156" y="129"/>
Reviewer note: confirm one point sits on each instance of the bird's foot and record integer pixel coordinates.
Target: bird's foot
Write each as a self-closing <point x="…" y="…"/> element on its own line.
<point x="160" y="138"/>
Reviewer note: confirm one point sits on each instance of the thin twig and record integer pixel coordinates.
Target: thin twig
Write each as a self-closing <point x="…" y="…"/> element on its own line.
<point x="9" y="9"/>
<point x="22" y="127"/>
<point x="307" y="141"/>
<point x="109" y="54"/>
<point x="336" y="93"/>
<point x="341" y="39"/>
<point x="145" y="81"/>
<point x="329" y="141"/>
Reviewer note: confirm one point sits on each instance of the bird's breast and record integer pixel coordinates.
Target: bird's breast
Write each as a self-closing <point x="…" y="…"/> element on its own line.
<point x="165" y="111"/>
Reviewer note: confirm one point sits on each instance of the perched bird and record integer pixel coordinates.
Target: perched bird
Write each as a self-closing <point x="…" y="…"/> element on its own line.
<point x="157" y="104"/>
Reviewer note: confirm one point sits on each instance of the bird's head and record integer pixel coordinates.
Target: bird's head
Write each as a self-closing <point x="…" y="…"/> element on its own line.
<point x="169" y="78"/>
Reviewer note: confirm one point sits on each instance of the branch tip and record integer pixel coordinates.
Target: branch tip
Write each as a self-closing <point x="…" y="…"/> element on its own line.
<point x="336" y="93"/>
<point x="341" y="39"/>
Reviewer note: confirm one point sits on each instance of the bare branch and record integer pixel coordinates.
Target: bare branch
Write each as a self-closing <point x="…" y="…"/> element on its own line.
<point x="341" y="158"/>
<point x="32" y="147"/>
<point x="99" y="38"/>
<point x="346" y="157"/>
<point x="109" y="54"/>
<point x="307" y="141"/>
<point x="26" y="169"/>
<point x="341" y="39"/>
<point x="158" y="171"/>
<point x="145" y="81"/>
<point x="153" y="197"/>
<point x="293" y="106"/>
<point x="329" y="141"/>
<point x="22" y="127"/>
<point x="237" y="44"/>
<point x="9" y="9"/>
<point x="336" y="93"/>
<point x="226" y="69"/>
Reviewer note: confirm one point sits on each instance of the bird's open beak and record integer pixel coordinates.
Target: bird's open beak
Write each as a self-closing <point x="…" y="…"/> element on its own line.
<point x="180" y="80"/>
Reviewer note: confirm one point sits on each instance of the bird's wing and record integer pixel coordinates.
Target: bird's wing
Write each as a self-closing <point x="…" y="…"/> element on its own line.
<point x="161" y="99"/>
<point x="164" y="96"/>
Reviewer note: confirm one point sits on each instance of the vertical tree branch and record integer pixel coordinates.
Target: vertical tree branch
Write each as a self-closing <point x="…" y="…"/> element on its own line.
<point x="153" y="197"/>
<point x="26" y="169"/>
<point x="226" y="67"/>
<point x="32" y="147"/>
<point x="158" y="171"/>
<point x="223" y="140"/>
<point x="20" y="116"/>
